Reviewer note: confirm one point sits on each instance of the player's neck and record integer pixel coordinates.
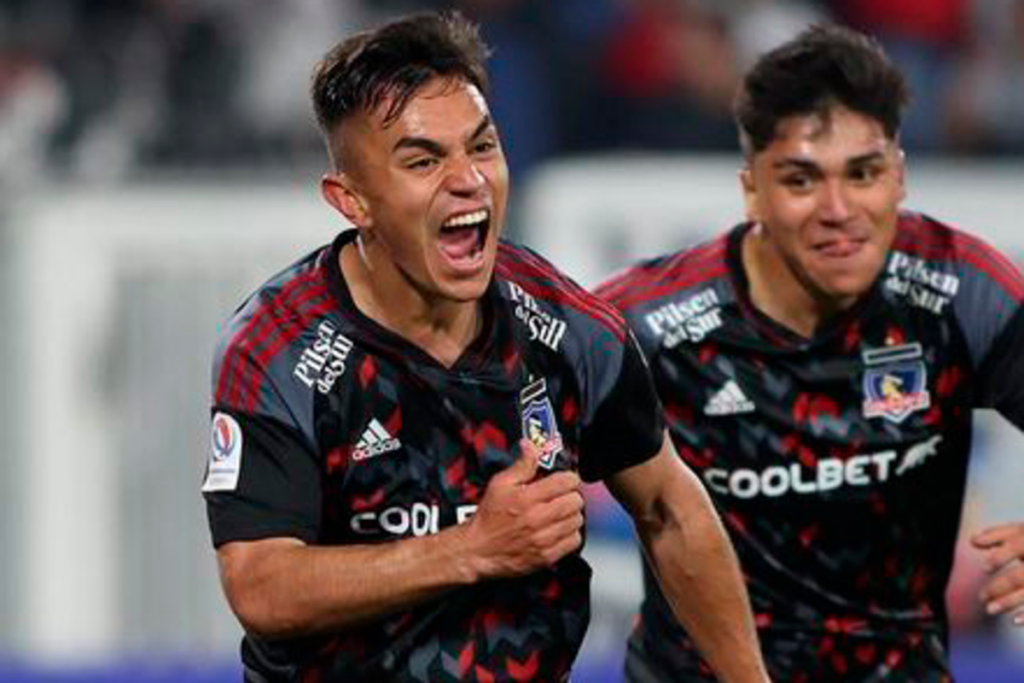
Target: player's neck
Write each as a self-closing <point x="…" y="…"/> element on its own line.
<point x="777" y="293"/>
<point x="441" y="327"/>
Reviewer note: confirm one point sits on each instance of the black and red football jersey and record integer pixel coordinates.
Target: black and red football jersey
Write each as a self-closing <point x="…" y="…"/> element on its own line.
<point x="838" y="463"/>
<point x="329" y="428"/>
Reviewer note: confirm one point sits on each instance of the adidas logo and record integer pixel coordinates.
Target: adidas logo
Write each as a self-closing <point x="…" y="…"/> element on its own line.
<point x="729" y="400"/>
<point x="375" y="441"/>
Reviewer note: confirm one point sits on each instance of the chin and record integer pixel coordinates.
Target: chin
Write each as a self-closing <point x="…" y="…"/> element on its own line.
<point x="466" y="291"/>
<point x="848" y="282"/>
<point x="846" y="288"/>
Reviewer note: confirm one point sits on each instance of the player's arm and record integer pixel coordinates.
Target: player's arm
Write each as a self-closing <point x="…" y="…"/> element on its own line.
<point x="686" y="545"/>
<point x="994" y="320"/>
<point x="1003" y="544"/>
<point x="283" y="587"/>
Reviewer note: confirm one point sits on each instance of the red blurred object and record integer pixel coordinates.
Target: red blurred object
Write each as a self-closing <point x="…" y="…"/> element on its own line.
<point x="933" y="21"/>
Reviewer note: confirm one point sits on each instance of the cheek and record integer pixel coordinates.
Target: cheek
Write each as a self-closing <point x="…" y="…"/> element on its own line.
<point x="785" y="223"/>
<point x="780" y="207"/>
<point x="499" y="181"/>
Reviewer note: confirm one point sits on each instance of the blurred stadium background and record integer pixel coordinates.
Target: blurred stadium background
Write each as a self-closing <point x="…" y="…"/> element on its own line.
<point x="158" y="160"/>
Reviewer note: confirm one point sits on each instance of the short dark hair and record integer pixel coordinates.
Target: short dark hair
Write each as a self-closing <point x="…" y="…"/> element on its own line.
<point x="824" y="66"/>
<point x="394" y="61"/>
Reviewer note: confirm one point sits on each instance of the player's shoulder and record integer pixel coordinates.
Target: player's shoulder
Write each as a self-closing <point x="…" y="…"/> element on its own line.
<point x="270" y="324"/>
<point x="670" y="275"/>
<point x="948" y="255"/>
<point x="527" y="278"/>
<point x="286" y="296"/>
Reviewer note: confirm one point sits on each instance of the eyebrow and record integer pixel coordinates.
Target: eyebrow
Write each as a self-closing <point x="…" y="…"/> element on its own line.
<point x="807" y="165"/>
<point x="432" y="146"/>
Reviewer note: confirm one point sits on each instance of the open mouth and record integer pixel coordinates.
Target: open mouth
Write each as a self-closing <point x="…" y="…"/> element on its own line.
<point x="463" y="237"/>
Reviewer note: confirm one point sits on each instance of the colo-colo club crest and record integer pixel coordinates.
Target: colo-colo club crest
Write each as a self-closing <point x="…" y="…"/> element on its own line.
<point x="895" y="382"/>
<point x="539" y="424"/>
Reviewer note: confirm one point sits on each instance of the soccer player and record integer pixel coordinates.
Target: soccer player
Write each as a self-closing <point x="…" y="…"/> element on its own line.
<point x="818" y="365"/>
<point x="402" y="419"/>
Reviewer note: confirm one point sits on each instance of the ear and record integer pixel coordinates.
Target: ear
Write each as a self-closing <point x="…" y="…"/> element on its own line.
<point x="901" y="172"/>
<point x="749" y="194"/>
<point x="340" y="192"/>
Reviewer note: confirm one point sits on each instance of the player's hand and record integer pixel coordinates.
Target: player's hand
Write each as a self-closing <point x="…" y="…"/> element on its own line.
<point x="523" y="523"/>
<point x="1003" y="546"/>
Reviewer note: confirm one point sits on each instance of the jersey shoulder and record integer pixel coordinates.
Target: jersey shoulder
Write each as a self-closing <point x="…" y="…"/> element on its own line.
<point x="670" y="276"/>
<point x="953" y="275"/>
<point x="262" y="341"/>
<point x="928" y="252"/>
<point x="530" y="281"/>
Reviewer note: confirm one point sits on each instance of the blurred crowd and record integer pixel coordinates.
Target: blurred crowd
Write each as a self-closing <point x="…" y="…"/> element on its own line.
<point x="100" y="89"/>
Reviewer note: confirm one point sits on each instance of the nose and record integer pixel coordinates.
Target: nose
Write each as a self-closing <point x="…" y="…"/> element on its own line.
<point x="464" y="176"/>
<point x="834" y="206"/>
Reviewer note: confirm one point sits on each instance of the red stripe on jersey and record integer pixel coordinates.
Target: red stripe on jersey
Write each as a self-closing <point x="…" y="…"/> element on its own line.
<point x="282" y="320"/>
<point x="949" y="244"/>
<point x="544" y="282"/>
<point x="280" y="316"/>
<point x="1011" y="283"/>
<point x="260" y="326"/>
<point x="946" y="242"/>
<point x="995" y="264"/>
<point x="635" y="279"/>
<point x="645" y="283"/>
<point x="694" y="276"/>
<point x="562" y="287"/>
<point x="256" y="330"/>
<point x="226" y="391"/>
<point x="290" y="329"/>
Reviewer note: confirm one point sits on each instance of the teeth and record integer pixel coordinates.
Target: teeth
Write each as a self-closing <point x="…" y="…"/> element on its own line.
<point x="467" y="219"/>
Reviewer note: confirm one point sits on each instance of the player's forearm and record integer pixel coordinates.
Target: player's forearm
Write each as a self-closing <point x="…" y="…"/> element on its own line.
<point x="294" y="589"/>
<point x="700" y="577"/>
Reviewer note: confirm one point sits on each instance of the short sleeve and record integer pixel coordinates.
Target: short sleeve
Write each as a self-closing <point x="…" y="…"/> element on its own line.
<point x="1000" y="382"/>
<point x="262" y="481"/>
<point x="989" y="308"/>
<point x="627" y="427"/>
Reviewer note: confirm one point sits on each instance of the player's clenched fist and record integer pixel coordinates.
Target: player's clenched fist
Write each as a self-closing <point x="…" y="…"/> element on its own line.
<point x="524" y="523"/>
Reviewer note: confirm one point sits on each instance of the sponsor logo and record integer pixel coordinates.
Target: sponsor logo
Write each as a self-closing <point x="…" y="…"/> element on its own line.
<point x="690" y="319"/>
<point x="916" y="455"/>
<point x="895" y="382"/>
<point x="729" y="400"/>
<point x="828" y="475"/>
<point x="418" y="519"/>
<point x="539" y="423"/>
<point x="323" y="361"/>
<point x="375" y="441"/>
<point x="543" y="327"/>
<point x="225" y="454"/>
<point x="922" y="286"/>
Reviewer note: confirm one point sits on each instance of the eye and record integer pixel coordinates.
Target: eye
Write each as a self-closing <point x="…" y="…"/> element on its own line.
<point x="798" y="182"/>
<point x="865" y="175"/>
<point x="485" y="146"/>
<point x="421" y="163"/>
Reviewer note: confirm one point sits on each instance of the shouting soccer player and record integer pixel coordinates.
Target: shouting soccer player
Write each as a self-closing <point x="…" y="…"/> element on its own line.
<point x="401" y="420"/>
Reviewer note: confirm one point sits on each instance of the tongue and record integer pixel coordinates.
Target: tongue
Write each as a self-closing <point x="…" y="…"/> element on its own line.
<point x="839" y="248"/>
<point x="459" y="243"/>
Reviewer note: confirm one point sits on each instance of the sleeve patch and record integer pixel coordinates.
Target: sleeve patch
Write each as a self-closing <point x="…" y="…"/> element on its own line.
<point x="225" y="455"/>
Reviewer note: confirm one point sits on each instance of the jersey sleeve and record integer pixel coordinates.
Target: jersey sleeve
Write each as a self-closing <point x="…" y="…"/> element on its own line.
<point x="277" y="484"/>
<point x="626" y="427"/>
<point x="1001" y="376"/>
<point x="263" y="477"/>
<point x="990" y="310"/>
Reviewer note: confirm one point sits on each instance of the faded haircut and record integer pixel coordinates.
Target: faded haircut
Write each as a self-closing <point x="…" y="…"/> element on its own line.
<point x="392" y="62"/>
